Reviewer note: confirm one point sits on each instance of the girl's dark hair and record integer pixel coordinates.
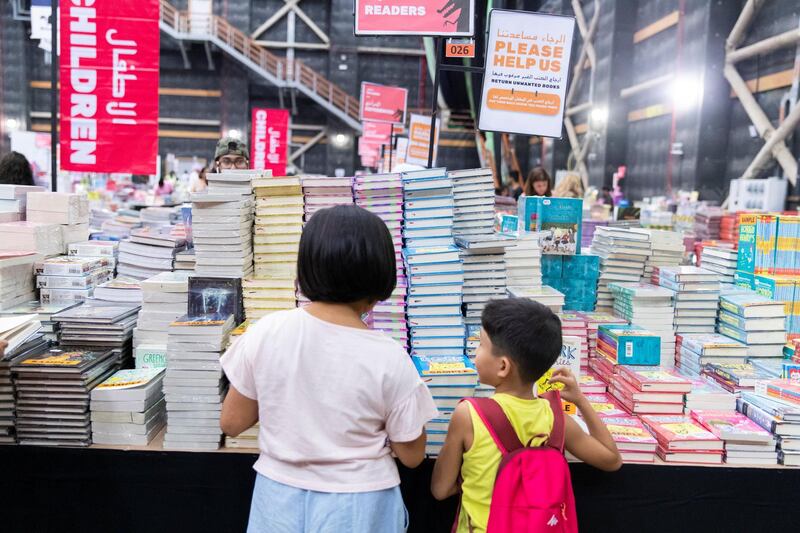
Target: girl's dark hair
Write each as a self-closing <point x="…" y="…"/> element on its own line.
<point x="346" y="255"/>
<point x="15" y="170"/>
<point x="537" y="174"/>
<point x="161" y="181"/>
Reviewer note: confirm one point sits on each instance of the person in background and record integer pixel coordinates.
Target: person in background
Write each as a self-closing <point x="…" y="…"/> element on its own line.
<point x="605" y="197"/>
<point x="516" y="185"/>
<point x="164" y="188"/>
<point x="201" y="183"/>
<point x="334" y="399"/>
<point x="570" y="187"/>
<point x="231" y="153"/>
<point x="538" y="183"/>
<point x="519" y="341"/>
<point x="15" y="170"/>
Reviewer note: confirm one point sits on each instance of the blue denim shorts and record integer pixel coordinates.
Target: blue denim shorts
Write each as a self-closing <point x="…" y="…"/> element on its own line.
<point x="279" y="508"/>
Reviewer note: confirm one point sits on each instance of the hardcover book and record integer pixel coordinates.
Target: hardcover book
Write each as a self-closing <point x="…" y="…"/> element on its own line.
<point x="560" y="220"/>
<point x="733" y="427"/>
<point x="678" y="432"/>
<point x="216" y="296"/>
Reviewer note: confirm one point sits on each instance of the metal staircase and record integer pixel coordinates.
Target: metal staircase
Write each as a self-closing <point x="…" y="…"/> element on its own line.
<point x="277" y="70"/>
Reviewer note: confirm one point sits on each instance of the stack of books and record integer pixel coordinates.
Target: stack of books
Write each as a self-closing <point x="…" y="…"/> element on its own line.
<point x="697" y="291"/>
<point x="593" y="322"/>
<point x="574" y="275"/>
<point x="649" y="390"/>
<point x="779" y="417"/>
<point x="279" y="223"/>
<point x="574" y="325"/>
<point x="157" y="217"/>
<point x="682" y="440"/>
<point x="605" y="405"/>
<point x="603" y="367"/>
<point x="14" y="201"/>
<point x="545" y="295"/>
<point x="66" y="279"/>
<point x="427" y="209"/>
<point x="629" y="345"/>
<point x="185" y="260"/>
<point x="17" y="284"/>
<point x="736" y="377"/>
<point x="246" y="440"/>
<point x="53" y="389"/>
<point x="754" y="320"/>
<point x="164" y="299"/>
<point x="708" y="395"/>
<point x="222" y="226"/>
<point x="99" y="326"/>
<point x="473" y="340"/>
<point x="473" y="193"/>
<point x="382" y="194"/>
<point x="721" y="261"/>
<point x="484" y="272"/>
<point x="729" y="227"/>
<point x="120" y="289"/>
<point x="108" y="250"/>
<point x="69" y="210"/>
<point x="128" y="408"/>
<point x="745" y="441"/>
<point x="590" y="383"/>
<point x="148" y="252"/>
<point x="589" y="226"/>
<point x="666" y="249"/>
<point x="695" y="351"/>
<point x="44" y="312"/>
<point x="195" y="385"/>
<point x="42" y="238"/>
<point x="634" y="442"/>
<point x="707" y="222"/>
<point x="119" y="226"/>
<point x="235" y="181"/>
<point x="651" y="307"/>
<point x="524" y="262"/>
<point x="623" y="255"/>
<point x="324" y="191"/>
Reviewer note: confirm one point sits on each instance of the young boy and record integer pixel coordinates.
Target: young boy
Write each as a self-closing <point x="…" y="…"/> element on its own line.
<point x="520" y="341"/>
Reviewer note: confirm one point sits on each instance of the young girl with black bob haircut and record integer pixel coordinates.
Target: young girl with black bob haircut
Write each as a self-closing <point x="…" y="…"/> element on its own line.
<point x="334" y="399"/>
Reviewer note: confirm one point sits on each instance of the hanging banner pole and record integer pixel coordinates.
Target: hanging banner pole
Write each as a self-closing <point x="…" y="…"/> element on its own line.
<point x="435" y="98"/>
<point x="54" y="95"/>
<point x="391" y="146"/>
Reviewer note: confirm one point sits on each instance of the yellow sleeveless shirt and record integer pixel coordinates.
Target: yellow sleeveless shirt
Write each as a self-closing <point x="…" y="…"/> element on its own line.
<point x="479" y="469"/>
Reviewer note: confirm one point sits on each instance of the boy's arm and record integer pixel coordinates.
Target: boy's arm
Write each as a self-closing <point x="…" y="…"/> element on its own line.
<point x="597" y="448"/>
<point x="448" y="465"/>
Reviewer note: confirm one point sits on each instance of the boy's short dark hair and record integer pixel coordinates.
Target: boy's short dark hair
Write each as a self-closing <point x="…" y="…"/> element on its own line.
<point x="526" y="331"/>
<point x="346" y="255"/>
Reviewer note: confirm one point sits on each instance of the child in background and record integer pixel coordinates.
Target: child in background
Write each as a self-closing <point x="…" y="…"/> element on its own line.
<point x="334" y="399"/>
<point x="519" y="341"/>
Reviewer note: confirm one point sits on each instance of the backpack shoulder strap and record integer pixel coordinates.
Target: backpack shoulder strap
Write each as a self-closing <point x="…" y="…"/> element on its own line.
<point x="497" y="423"/>
<point x="556" y="439"/>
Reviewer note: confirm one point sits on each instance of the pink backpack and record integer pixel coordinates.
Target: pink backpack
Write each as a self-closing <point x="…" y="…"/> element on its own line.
<point x="533" y="487"/>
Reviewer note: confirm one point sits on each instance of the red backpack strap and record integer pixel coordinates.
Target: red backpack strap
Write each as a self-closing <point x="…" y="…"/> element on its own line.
<point x="556" y="439"/>
<point x="497" y="423"/>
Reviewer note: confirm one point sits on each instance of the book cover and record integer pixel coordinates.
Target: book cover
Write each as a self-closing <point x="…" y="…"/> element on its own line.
<point x="784" y="389"/>
<point x="216" y="296"/>
<point x="670" y="430"/>
<point x="732" y="426"/>
<point x="766" y="241"/>
<point x="654" y="379"/>
<point x="569" y="357"/>
<point x="629" y="430"/>
<point x="77" y="360"/>
<point x="712" y="344"/>
<point x="528" y="212"/>
<point x="747" y="242"/>
<point x="560" y="219"/>
<point x="751" y="305"/>
<point x="130" y="378"/>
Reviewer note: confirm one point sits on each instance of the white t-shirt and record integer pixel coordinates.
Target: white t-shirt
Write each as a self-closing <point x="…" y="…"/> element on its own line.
<point x="330" y="398"/>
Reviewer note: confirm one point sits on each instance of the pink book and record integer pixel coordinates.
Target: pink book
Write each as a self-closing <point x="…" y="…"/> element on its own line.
<point x="732" y="426"/>
<point x="678" y="432"/>
<point x="604" y="406"/>
<point x="654" y="379"/>
<point x="630" y="434"/>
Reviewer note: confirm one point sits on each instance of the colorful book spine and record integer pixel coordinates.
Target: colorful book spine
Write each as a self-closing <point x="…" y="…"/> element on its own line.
<point x="779" y="289"/>
<point x="747" y="242"/>
<point x="766" y="240"/>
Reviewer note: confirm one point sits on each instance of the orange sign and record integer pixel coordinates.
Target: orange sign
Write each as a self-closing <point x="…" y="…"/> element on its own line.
<point x="460" y="48"/>
<point x="419" y="140"/>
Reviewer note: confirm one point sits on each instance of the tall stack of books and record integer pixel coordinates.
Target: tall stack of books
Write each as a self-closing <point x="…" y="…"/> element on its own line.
<point x="754" y="320"/>
<point x="649" y="390"/>
<point x="235" y="181"/>
<point x="473" y="193"/>
<point x="279" y="223"/>
<point x="119" y="226"/>
<point x="128" y="408"/>
<point x="17" y="284"/>
<point x="651" y="307"/>
<point x="222" y="225"/>
<point x="707" y="222"/>
<point x="14" y="201"/>
<point x="164" y="299"/>
<point x="43" y="238"/>
<point x="695" y="351"/>
<point x="628" y="345"/>
<point x="574" y="275"/>
<point x="99" y="326"/>
<point x="195" y="385"/>
<point x="574" y="325"/>
<point x="683" y="440"/>
<point x="66" y="279"/>
<point x="108" y="250"/>
<point x="524" y="262"/>
<point x="382" y="194"/>
<point x="484" y="272"/>
<point x="53" y="389"/>
<point x="721" y="261"/>
<point x="148" y="252"/>
<point x="697" y="291"/>
<point x="324" y="191"/>
<point x="623" y="255"/>
<point x="69" y="210"/>
<point x="779" y="417"/>
<point x="745" y="441"/>
<point x="729" y="227"/>
<point x="666" y="249"/>
<point x="593" y="321"/>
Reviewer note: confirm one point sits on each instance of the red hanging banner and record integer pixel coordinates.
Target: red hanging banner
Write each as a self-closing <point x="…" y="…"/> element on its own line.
<point x="270" y="140"/>
<point x="109" y="85"/>
<point x="383" y="103"/>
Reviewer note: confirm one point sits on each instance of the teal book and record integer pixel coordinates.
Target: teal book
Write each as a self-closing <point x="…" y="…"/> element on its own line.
<point x="528" y="212"/>
<point x="744" y="279"/>
<point x="508" y="224"/>
<point x="746" y="259"/>
<point x="560" y="220"/>
<point x="552" y="266"/>
<point x="632" y="345"/>
<point x="581" y="267"/>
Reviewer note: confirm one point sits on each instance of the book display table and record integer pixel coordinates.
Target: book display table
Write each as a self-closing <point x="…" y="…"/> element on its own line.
<point x="147" y="490"/>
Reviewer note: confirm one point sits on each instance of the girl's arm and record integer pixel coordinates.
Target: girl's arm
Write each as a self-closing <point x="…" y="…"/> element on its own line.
<point x="448" y="465"/>
<point x="411" y="453"/>
<point x="597" y="448"/>
<point x="239" y="413"/>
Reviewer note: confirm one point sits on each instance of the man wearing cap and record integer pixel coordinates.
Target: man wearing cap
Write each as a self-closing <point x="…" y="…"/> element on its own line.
<point x="231" y="153"/>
